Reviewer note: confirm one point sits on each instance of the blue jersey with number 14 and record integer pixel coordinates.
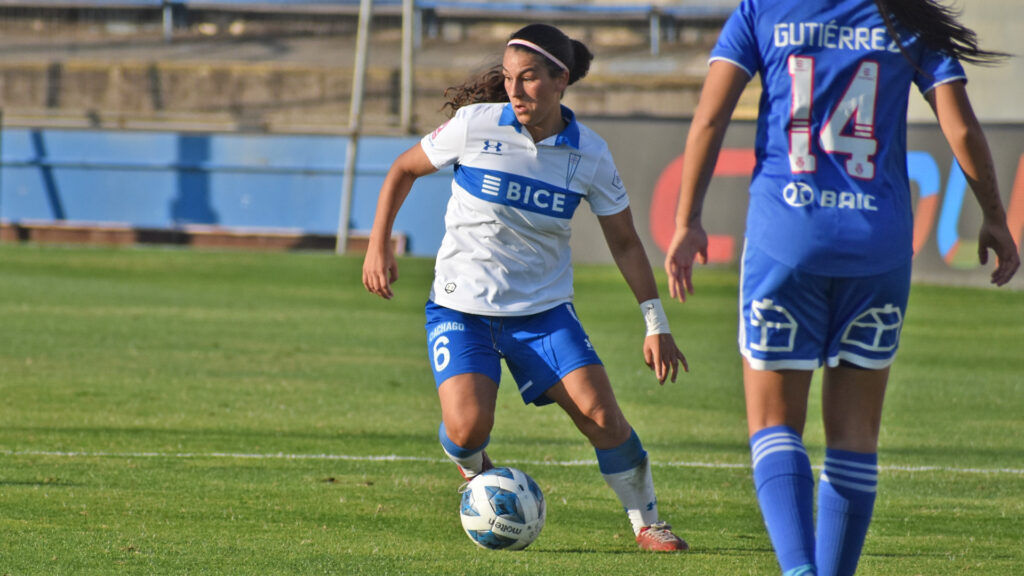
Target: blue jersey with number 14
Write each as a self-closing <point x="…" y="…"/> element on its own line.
<point x="830" y="193"/>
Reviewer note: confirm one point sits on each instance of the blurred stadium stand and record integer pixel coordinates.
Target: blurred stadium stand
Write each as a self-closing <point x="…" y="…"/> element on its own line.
<point x="100" y="97"/>
<point x="286" y="65"/>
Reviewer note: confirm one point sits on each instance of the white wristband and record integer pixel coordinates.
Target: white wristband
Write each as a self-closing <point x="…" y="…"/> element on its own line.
<point x="654" y="317"/>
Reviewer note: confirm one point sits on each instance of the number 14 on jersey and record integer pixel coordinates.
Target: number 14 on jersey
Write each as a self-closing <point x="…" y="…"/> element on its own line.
<point x="856" y="105"/>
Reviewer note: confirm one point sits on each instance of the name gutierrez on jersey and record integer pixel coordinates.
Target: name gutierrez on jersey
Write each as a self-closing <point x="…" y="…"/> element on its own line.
<point x="833" y="36"/>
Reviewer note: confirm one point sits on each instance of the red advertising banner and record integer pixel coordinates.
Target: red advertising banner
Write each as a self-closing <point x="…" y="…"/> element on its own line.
<point x="946" y="217"/>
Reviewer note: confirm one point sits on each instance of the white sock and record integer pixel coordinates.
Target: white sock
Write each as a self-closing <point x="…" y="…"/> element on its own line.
<point x="635" y="489"/>
<point x="471" y="465"/>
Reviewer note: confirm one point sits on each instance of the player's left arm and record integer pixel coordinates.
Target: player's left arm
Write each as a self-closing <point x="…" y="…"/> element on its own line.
<point x="962" y="130"/>
<point x="721" y="92"/>
<point x="660" y="351"/>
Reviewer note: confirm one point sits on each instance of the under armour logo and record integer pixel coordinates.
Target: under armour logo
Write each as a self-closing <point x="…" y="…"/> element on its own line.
<point x="492" y="147"/>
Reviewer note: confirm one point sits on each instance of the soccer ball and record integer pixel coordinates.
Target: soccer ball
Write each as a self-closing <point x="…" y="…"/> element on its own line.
<point x="502" y="509"/>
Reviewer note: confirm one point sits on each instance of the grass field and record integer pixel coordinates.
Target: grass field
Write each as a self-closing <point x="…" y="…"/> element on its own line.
<point x="184" y="412"/>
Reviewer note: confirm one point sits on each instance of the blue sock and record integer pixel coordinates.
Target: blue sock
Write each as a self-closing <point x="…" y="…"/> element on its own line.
<point x="469" y="460"/>
<point x="627" y="471"/>
<point x="846" y="500"/>
<point x="785" y="491"/>
<point x="626" y="456"/>
<point x="454" y="449"/>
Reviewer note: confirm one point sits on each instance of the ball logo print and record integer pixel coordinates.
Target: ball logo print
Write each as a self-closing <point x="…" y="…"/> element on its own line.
<point x="502" y="509"/>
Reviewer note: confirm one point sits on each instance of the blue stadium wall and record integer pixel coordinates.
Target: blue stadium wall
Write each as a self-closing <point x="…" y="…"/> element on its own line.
<point x="162" y="180"/>
<point x="168" y="180"/>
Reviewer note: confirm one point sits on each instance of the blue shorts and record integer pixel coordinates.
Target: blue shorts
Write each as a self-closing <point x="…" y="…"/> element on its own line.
<point x="795" y="320"/>
<point x="539" y="349"/>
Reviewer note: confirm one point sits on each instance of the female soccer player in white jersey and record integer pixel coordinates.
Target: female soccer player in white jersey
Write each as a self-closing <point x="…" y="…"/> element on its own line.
<point x="503" y="279"/>
<point x="826" y="262"/>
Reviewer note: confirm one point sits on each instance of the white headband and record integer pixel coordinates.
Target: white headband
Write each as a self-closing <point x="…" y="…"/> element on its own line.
<point x="542" y="51"/>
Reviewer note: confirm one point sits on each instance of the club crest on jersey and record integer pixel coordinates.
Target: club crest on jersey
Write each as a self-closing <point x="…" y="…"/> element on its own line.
<point x="574" y="163"/>
<point x="492" y="146"/>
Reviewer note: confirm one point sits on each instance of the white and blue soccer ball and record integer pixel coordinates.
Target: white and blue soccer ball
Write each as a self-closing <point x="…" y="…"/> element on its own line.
<point x="502" y="509"/>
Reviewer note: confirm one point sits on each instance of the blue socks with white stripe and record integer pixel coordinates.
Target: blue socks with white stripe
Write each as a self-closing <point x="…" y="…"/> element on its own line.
<point x="846" y="501"/>
<point x="785" y="491"/>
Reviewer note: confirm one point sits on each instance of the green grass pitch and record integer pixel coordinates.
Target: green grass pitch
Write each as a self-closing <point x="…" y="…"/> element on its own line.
<point x="188" y="412"/>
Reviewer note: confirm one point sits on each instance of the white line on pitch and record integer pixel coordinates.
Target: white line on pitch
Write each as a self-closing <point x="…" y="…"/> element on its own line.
<point x="397" y="458"/>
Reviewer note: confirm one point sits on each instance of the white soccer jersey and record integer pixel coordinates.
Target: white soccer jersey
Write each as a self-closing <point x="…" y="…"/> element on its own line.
<point x="506" y="250"/>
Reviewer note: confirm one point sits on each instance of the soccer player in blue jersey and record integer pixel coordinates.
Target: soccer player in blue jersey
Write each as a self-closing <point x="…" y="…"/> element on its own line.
<point x="503" y="278"/>
<point x="826" y="261"/>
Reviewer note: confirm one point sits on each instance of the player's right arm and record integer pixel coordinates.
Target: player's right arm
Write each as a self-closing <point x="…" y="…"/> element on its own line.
<point x="962" y="130"/>
<point x="722" y="89"/>
<point x="379" y="267"/>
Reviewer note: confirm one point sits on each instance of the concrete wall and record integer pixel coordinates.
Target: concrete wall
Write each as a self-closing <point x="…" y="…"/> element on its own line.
<point x="994" y="91"/>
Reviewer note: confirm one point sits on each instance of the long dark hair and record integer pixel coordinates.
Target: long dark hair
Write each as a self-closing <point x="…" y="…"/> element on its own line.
<point x="489" y="86"/>
<point x="937" y="26"/>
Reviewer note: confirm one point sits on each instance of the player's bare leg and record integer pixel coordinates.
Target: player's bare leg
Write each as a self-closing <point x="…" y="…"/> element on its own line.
<point x="586" y="396"/>
<point x="852" y="401"/>
<point x="776" y="413"/>
<point x="467" y="411"/>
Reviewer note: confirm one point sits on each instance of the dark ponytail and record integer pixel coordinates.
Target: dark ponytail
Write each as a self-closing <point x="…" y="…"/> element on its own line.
<point x="581" y="57"/>
<point x="937" y="26"/>
<point x="489" y="86"/>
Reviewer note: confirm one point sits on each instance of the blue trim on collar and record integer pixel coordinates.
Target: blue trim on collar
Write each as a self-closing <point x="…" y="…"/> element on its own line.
<point x="508" y="118"/>
<point x="570" y="136"/>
